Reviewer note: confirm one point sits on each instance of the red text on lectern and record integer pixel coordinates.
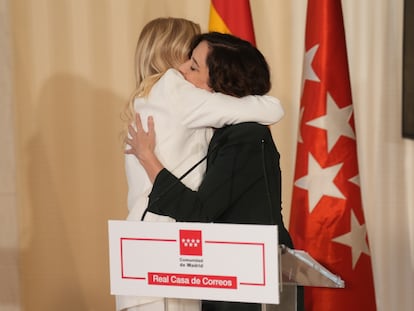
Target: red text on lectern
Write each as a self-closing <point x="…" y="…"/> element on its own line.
<point x="192" y="280"/>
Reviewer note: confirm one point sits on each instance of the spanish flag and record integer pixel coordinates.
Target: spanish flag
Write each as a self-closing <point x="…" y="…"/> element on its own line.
<point x="233" y="17"/>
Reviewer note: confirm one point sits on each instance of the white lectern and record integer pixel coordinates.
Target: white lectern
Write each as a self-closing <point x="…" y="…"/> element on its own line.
<point x="226" y="262"/>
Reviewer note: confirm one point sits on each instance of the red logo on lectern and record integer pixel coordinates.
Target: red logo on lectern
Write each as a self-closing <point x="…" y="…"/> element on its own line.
<point x="190" y="243"/>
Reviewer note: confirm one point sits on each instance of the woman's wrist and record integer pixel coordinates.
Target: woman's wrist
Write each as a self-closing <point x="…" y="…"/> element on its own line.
<point x="152" y="165"/>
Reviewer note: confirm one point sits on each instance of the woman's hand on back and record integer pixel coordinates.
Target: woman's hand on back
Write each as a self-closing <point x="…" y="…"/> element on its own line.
<point x="142" y="145"/>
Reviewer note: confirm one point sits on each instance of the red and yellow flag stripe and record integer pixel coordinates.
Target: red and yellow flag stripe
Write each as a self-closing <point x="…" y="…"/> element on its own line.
<point x="233" y="17"/>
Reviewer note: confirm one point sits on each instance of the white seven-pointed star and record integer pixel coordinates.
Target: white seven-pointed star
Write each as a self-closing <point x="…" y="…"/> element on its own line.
<point x="335" y="122"/>
<point x="355" y="239"/>
<point x="355" y="180"/>
<point x="319" y="182"/>
<point x="308" y="72"/>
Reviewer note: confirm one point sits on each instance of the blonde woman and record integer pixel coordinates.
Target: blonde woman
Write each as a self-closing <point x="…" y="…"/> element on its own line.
<point x="185" y="115"/>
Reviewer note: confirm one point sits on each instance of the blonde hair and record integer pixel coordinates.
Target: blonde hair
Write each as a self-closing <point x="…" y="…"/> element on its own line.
<point x="163" y="43"/>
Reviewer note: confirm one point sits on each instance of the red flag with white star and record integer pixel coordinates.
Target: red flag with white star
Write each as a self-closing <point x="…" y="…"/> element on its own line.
<point x="327" y="218"/>
<point x="233" y="17"/>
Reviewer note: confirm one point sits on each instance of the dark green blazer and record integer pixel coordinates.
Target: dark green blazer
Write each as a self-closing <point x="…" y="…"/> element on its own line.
<point x="242" y="183"/>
